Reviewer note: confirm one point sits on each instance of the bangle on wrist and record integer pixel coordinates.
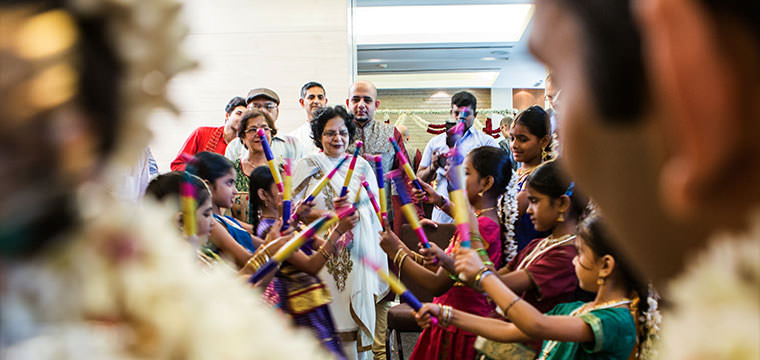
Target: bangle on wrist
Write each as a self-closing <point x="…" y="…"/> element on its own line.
<point x="509" y="307"/>
<point x="482" y="274"/>
<point x="397" y="255"/>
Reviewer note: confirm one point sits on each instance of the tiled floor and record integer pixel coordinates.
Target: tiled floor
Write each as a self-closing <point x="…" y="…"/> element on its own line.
<point x="407" y="341"/>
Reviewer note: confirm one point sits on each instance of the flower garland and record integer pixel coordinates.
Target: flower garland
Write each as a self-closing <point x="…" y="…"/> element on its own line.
<point x="715" y="312"/>
<point x="508" y="215"/>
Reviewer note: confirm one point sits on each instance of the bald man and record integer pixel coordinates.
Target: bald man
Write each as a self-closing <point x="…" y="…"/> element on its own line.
<point x="362" y="102"/>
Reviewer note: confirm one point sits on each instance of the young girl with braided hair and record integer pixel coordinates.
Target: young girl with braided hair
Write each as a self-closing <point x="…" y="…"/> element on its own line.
<point x="604" y="328"/>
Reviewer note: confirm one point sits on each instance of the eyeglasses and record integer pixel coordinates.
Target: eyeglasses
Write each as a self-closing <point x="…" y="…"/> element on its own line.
<point x="255" y="129"/>
<point x="266" y="106"/>
<point x="331" y="133"/>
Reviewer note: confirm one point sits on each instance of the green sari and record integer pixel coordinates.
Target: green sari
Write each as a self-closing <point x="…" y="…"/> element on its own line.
<point x="614" y="335"/>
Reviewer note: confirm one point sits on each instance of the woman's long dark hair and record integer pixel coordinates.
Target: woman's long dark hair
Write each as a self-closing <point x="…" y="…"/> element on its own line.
<point x="261" y="178"/>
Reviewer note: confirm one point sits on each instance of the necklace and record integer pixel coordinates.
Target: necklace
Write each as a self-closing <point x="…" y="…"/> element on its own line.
<point x="481" y="211"/>
<point x="583" y="309"/>
<point x="543" y="246"/>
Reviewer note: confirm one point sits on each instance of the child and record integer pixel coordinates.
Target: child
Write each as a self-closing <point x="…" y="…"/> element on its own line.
<point x="542" y="272"/>
<point x="604" y="328"/>
<point x="529" y="140"/>
<point x="166" y="187"/>
<point x="299" y="291"/>
<point x="487" y="173"/>
<point x="232" y="238"/>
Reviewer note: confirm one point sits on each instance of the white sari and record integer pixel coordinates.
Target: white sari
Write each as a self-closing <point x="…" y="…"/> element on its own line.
<point x="354" y="287"/>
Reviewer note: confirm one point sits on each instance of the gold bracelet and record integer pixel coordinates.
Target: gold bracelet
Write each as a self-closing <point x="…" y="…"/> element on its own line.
<point x="446" y="315"/>
<point x="322" y="251"/>
<point x="509" y="307"/>
<point x="401" y="261"/>
<point x="398" y="253"/>
<point x="418" y="258"/>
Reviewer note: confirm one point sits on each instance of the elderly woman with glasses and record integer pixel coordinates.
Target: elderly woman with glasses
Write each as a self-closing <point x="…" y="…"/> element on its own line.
<point x="250" y="123"/>
<point x="354" y="288"/>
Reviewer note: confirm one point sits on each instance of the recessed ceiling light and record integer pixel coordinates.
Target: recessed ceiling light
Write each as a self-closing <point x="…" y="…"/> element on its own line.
<point x="499" y="52"/>
<point x="488" y="58"/>
<point x="374" y="60"/>
<point x="481" y="79"/>
<point x="432" y="23"/>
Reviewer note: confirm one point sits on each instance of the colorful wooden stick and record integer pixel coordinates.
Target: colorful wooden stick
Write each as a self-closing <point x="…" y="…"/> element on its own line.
<point x="188" y="204"/>
<point x="397" y="287"/>
<point x="409" y="210"/>
<point x="406" y="166"/>
<point x="456" y="193"/>
<point x="297" y="241"/>
<point x="351" y="166"/>
<point x="287" y="193"/>
<point x="270" y="160"/>
<point x="325" y="180"/>
<point x="371" y="196"/>
<point x="378" y="160"/>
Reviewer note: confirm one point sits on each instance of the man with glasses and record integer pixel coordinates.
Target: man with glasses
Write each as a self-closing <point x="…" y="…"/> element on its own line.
<point x="283" y="146"/>
<point x="313" y="97"/>
<point x="213" y="139"/>
<point x="433" y="163"/>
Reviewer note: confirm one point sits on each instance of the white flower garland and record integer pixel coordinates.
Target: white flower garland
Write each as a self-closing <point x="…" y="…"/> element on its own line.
<point x="715" y="312"/>
<point x="508" y="206"/>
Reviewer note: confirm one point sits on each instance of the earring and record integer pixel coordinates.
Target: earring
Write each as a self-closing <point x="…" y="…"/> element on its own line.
<point x="480" y="194"/>
<point x="600" y="281"/>
<point x="544" y="155"/>
<point x="560" y="218"/>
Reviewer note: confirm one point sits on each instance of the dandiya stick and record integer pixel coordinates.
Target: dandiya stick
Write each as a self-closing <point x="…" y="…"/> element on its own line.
<point x="378" y="160"/>
<point x="371" y="196"/>
<point x="188" y="204"/>
<point x="270" y="160"/>
<point x="397" y="287"/>
<point x="456" y="193"/>
<point x="321" y="185"/>
<point x="325" y="180"/>
<point x="409" y="210"/>
<point x="296" y="242"/>
<point x="351" y="166"/>
<point x="406" y="166"/>
<point x="287" y="193"/>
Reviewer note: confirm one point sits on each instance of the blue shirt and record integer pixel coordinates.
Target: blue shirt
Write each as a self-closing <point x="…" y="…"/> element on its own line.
<point x="472" y="139"/>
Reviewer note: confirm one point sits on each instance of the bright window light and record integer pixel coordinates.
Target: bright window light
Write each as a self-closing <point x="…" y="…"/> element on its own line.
<point x="481" y="79"/>
<point x="441" y="24"/>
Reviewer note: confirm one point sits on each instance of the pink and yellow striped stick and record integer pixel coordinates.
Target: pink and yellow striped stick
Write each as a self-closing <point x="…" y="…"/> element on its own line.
<point x="371" y="196"/>
<point x="351" y="166"/>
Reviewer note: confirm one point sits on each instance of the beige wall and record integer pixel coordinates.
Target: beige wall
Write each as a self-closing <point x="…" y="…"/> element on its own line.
<point x="243" y="44"/>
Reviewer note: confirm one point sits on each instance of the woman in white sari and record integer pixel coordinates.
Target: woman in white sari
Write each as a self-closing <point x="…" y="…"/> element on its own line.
<point x="354" y="287"/>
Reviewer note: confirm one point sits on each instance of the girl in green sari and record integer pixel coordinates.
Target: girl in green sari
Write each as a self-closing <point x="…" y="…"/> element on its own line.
<point x="604" y="328"/>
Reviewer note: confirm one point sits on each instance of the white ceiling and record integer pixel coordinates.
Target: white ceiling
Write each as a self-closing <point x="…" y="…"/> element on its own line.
<point x="508" y="63"/>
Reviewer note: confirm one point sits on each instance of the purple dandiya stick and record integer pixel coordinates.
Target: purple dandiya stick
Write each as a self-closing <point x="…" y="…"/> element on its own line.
<point x="378" y="161"/>
<point x="296" y="242"/>
<point x="409" y="210"/>
<point x="456" y="192"/>
<point x="397" y="287"/>
<point x="406" y="166"/>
